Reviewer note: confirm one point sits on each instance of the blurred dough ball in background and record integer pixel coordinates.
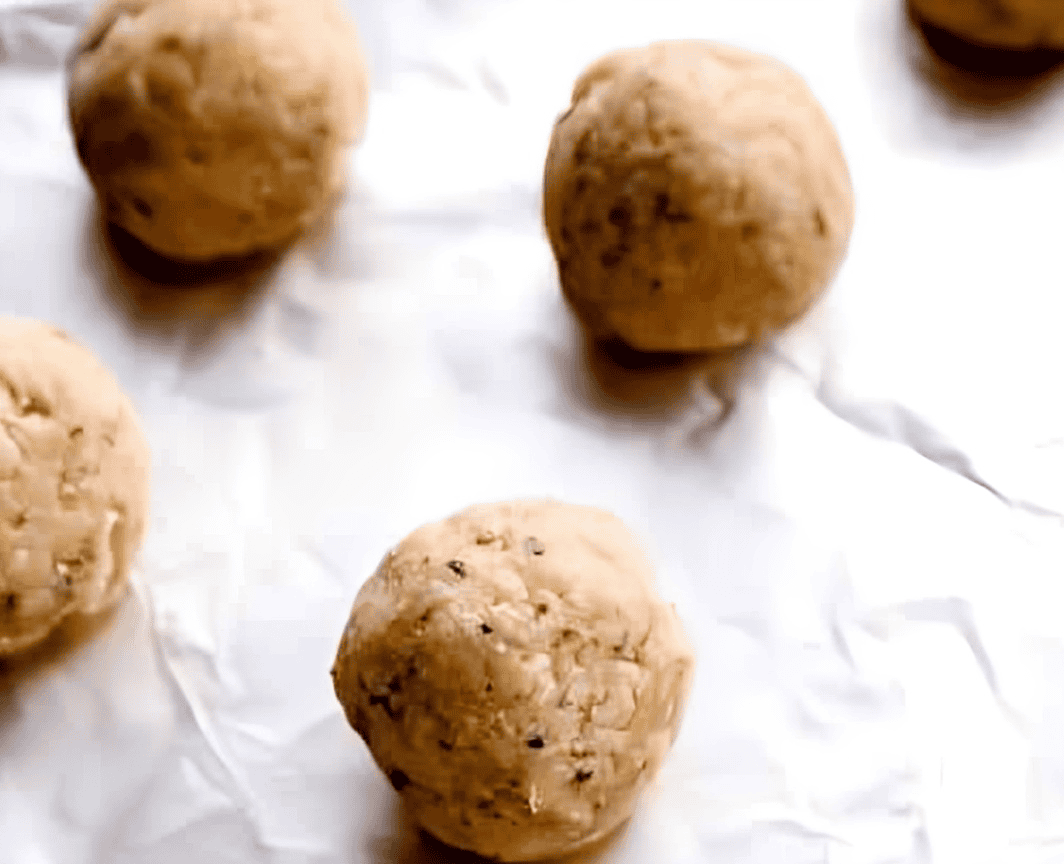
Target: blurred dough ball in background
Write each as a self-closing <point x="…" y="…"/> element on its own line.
<point x="74" y="483"/>
<point x="696" y="197"/>
<point x="217" y="128"/>
<point x="1009" y="24"/>
<point x="516" y="676"/>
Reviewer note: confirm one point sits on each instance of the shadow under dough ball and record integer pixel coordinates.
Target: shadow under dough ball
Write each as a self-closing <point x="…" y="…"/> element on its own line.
<point x="74" y="483"/>
<point x="1011" y="24"/>
<point x="217" y="128"/>
<point x="696" y="197"/>
<point x="516" y="676"/>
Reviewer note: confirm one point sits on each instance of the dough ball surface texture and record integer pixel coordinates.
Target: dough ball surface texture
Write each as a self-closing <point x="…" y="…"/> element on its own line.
<point x="516" y="676"/>
<point x="696" y="197"/>
<point x="74" y="483"/>
<point x="217" y="128"/>
<point x="1010" y="24"/>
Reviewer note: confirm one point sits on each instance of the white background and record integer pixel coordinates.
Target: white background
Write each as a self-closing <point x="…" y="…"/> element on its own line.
<point x="867" y="550"/>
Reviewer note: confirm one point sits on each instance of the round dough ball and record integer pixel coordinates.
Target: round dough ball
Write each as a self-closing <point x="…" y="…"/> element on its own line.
<point x="217" y="128"/>
<point x="516" y="676"/>
<point x="74" y="491"/>
<point x="696" y="197"/>
<point x="1010" y="24"/>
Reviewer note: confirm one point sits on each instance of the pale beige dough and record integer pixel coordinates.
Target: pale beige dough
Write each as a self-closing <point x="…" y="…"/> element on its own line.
<point x="516" y="675"/>
<point x="74" y="483"/>
<point x="696" y="197"/>
<point x="1010" y="24"/>
<point x="217" y="128"/>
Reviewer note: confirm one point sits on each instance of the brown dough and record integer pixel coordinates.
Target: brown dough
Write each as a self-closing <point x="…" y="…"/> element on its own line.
<point x="1009" y="24"/>
<point x="696" y="197"/>
<point x="515" y="674"/>
<point x="216" y="128"/>
<point x="74" y="483"/>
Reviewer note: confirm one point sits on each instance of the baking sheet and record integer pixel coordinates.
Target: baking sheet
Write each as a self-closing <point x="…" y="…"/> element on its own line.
<point x="860" y="524"/>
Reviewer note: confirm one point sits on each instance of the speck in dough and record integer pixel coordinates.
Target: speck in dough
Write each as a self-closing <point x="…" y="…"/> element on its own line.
<point x="516" y="676"/>
<point x="74" y="483"/>
<point x="696" y="197"/>
<point x="1018" y="25"/>
<point x="217" y="128"/>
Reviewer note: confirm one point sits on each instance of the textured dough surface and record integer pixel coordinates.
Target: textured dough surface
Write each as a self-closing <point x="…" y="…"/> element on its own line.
<point x="74" y="483"/>
<point x="215" y="128"/>
<point x="516" y="676"/>
<point x="696" y="197"/>
<point x="1010" y="24"/>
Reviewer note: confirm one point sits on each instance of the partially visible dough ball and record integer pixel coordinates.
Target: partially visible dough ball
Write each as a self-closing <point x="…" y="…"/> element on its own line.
<point x="515" y="674"/>
<point x="74" y="490"/>
<point x="696" y="197"/>
<point x="217" y="128"/>
<point x="1009" y="24"/>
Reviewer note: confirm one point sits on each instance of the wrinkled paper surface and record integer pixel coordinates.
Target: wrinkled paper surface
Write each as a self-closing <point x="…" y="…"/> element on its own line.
<point x="860" y="524"/>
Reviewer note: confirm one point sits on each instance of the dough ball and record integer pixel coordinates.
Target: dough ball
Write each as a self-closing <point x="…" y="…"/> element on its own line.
<point x="1010" y="24"/>
<point x="74" y="491"/>
<point x="516" y="676"/>
<point x="696" y="197"/>
<point x="217" y="128"/>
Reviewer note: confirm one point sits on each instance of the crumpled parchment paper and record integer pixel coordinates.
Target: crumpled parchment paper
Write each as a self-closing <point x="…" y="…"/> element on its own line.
<point x="860" y="524"/>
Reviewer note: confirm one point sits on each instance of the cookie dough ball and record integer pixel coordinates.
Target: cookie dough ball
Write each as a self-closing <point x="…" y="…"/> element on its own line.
<point x="1011" y="24"/>
<point x="516" y="676"/>
<point x="73" y="483"/>
<point x="696" y="197"/>
<point x="217" y="128"/>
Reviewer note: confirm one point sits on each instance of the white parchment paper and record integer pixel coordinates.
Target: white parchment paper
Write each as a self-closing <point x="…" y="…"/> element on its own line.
<point x="866" y="547"/>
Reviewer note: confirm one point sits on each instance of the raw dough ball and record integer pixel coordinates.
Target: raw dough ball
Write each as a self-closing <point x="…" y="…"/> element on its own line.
<point x="695" y="195"/>
<point x="216" y="128"/>
<point x="74" y="489"/>
<point x="1010" y="24"/>
<point x="516" y="676"/>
